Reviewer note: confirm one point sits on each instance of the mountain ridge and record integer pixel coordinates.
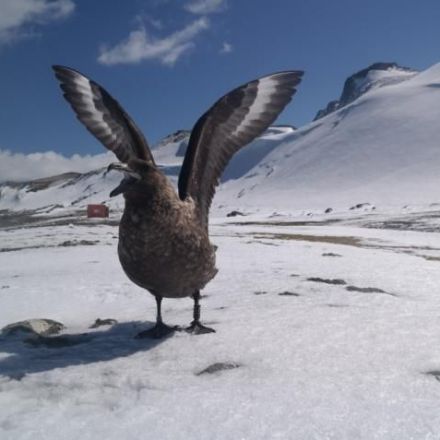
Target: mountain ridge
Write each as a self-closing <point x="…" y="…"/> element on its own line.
<point x="377" y="74"/>
<point x="379" y="148"/>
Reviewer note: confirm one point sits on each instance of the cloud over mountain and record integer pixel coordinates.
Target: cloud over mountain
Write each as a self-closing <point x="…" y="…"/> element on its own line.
<point x="22" y="167"/>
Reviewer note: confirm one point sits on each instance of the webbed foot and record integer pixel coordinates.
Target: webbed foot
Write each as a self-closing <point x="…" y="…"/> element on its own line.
<point x="196" y="328"/>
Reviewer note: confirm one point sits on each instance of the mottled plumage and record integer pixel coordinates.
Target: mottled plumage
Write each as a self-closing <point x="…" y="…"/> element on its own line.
<point x="162" y="230"/>
<point x="164" y="244"/>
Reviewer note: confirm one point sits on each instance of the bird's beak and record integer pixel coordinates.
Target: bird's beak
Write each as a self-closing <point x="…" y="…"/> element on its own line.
<point x="125" y="184"/>
<point x="130" y="177"/>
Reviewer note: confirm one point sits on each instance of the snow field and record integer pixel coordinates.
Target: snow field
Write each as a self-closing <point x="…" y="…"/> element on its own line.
<point x="329" y="363"/>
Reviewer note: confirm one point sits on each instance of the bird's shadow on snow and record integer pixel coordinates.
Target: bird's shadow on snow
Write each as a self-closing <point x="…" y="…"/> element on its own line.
<point x="33" y="355"/>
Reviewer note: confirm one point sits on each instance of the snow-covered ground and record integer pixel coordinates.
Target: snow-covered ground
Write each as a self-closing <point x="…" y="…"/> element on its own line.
<point x="326" y="329"/>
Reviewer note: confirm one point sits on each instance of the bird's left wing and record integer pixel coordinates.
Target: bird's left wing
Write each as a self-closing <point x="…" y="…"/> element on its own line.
<point x="230" y="124"/>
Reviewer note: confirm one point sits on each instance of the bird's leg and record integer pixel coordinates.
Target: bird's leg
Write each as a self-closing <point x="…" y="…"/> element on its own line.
<point x="196" y="327"/>
<point x="160" y="330"/>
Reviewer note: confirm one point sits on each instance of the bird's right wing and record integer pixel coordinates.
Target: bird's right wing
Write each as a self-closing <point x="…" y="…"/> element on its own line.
<point x="103" y="116"/>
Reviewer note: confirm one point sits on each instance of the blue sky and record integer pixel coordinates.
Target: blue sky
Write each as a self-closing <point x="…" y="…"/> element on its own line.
<point x="167" y="61"/>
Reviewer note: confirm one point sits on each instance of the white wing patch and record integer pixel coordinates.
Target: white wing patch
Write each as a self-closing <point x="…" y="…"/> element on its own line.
<point x="96" y="116"/>
<point x="266" y="88"/>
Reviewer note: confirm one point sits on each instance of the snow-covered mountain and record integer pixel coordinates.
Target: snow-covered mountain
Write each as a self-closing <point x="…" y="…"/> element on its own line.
<point x="75" y="190"/>
<point x="375" y="76"/>
<point x="379" y="144"/>
<point x="382" y="148"/>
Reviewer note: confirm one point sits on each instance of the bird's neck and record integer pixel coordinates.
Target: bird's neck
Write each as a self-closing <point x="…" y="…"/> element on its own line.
<point x="157" y="196"/>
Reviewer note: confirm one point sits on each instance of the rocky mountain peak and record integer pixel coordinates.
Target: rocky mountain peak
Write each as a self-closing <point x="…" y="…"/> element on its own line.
<point x="176" y="137"/>
<point x="376" y="75"/>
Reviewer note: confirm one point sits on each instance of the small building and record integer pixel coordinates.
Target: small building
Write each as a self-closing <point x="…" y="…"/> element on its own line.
<point x="100" y="211"/>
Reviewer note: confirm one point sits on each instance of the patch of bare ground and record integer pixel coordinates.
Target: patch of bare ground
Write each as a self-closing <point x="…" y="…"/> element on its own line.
<point x="281" y="223"/>
<point x="434" y="373"/>
<point x="336" y="281"/>
<point x="218" y="367"/>
<point x="332" y="239"/>
<point x="429" y="257"/>
<point x="351" y="241"/>
<point x="287" y="293"/>
<point x="368" y="290"/>
<point x="10" y="220"/>
<point x="68" y="243"/>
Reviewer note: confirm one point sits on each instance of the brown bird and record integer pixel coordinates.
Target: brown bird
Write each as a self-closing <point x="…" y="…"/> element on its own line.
<point x="164" y="243"/>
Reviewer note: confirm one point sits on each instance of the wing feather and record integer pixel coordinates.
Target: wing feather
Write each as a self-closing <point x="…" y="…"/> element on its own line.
<point x="103" y="116"/>
<point x="231" y="123"/>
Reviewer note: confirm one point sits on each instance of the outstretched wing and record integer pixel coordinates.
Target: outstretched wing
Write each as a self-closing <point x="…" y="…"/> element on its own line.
<point x="231" y="123"/>
<point x="103" y="116"/>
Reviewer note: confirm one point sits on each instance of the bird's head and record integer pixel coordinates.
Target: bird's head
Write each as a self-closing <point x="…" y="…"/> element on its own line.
<point x="137" y="174"/>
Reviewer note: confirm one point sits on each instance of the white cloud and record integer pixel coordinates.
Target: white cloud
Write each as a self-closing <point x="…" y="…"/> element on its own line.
<point x="17" y="15"/>
<point x="204" y="7"/>
<point x="22" y="167"/>
<point x="142" y="18"/>
<point x="226" y="48"/>
<point x="140" y="45"/>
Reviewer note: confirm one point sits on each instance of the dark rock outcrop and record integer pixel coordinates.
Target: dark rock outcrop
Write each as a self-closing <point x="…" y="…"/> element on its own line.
<point x="358" y="84"/>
